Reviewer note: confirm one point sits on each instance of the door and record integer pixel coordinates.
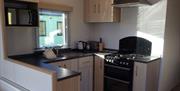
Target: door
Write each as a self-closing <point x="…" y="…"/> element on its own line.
<point x="65" y="64"/>
<point x="92" y="10"/>
<point x="71" y="84"/>
<point x="139" y="81"/>
<point x="98" y="74"/>
<point x="68" y="64"/>
<point x="74" y="64"/>
<point x="106" y="10"/>
<point x="86" y="69"/>
<point x="101" y="11"/>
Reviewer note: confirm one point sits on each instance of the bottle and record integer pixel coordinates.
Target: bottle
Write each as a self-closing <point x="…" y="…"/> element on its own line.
<point x="100" y="45"/>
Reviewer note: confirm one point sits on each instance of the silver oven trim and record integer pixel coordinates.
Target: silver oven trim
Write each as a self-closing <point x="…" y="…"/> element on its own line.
<point x="118" y="67"/>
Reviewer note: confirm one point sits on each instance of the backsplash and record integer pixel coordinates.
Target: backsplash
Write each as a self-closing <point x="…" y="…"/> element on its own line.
<point x="112" y="32"/>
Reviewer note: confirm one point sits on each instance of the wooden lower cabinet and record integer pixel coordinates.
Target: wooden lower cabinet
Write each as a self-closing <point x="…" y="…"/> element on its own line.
<point x="98" y="74"/>
<point x="86" y="69"/>
<point x="146" y="76"/>
<point x="70" y="84"/>
<point x="83" y="65"/>
<point x="68" y="64"/>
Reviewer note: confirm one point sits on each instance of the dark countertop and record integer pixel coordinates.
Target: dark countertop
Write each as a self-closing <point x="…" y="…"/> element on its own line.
<point x="147" y="59"/>
<point x="42" y="62"/>
<point x="62" y="73"/>
<point x="67" y="56"/>
<point x="38" y="60"/>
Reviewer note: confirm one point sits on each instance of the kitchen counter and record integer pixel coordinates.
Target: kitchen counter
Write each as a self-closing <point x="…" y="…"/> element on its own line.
<point x="67" y="56"/>
<point x="147" y="59"/>
<point x="101" y="55"/>
<point x="62" y="73"/>
<point x="40" y="61"/>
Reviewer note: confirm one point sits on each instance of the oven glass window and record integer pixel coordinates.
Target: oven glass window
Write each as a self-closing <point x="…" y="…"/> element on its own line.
<point x="118" y="73"/>
<point x="113" y="85"/>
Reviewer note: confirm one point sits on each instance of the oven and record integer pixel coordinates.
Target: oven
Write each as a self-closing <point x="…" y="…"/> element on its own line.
<point x="118" y="67"/>
<point x="118" y="76"/>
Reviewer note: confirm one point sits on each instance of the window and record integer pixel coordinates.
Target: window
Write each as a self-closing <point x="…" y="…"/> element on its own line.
<point x="42" y="28"/>
<point x="52" y="29"/>
<point x="60" y="27"/>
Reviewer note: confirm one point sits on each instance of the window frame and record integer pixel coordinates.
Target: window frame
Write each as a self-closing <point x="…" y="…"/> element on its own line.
<point x="44" y="28"/>
<point x="58" y="27"/>
<point x="66" y="31"/>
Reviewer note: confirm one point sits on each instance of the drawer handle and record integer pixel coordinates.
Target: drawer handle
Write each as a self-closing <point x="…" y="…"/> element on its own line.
<point x="136" y="70"/>
<point x="101" y="65"/>
<point x="99" y="8"/>
<point x="95" y="8"/>
<point x="64" y="66"/>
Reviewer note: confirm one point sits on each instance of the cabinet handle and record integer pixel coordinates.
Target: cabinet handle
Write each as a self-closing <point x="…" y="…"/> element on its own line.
<point x="99" y="10"/>
<point x="101" y="65"/>
<point x="64" y="66"/>
<point x="136" y="70"/>
<point x="81" y="77"/>
<point x="94" y="8"/>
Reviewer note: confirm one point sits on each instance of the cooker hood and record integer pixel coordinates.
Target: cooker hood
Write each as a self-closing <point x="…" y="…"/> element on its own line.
<point x="133" y="3"/>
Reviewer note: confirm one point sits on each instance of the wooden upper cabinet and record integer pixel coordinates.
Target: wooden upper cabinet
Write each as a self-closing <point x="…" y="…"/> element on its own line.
<point x="90" y="10"/>
<point x="35" y="1"/>
<point x="101" y="11"/>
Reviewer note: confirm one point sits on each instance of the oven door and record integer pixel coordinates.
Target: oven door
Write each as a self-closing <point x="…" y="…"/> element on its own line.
<point x="111" y="84"/>
<point x="117" y="78"/>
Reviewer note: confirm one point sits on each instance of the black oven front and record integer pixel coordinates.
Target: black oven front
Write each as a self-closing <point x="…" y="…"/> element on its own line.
<point x="118" y="77"/>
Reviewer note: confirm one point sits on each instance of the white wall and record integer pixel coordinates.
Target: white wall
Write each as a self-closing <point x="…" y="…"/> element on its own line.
<point x="21" y="40"/>
<point x="26" y="77"/>
<point x="170" y="75"/>
<point x="112" y="32"/>
<point x="151" y="25"/>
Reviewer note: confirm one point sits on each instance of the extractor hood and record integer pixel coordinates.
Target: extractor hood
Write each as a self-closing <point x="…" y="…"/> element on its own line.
<point x="133" y="3"/>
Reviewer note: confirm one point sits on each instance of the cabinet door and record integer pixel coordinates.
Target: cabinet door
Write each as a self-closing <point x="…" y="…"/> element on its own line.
<point x="139" y="81"/>
<point x="98" y="74"/>
<point x="71" y="84"/>
<point x="86" y="69"/>
<point x="101" y="11"/>
<point x="74" y="65"/>
<point x="69" y="64"/>
<point x="91" y="10"/>
<point x="65" y="64"/>
<point x="108" y="12"/>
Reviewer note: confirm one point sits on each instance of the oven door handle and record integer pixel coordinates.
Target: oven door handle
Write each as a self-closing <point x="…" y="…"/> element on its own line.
<point x="122" y="68"/>
<point x="125" y="82"/>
